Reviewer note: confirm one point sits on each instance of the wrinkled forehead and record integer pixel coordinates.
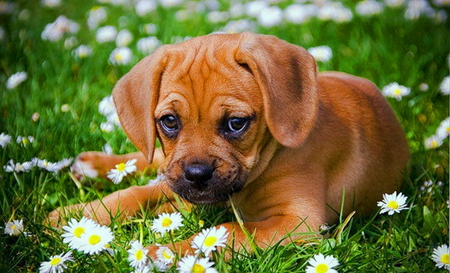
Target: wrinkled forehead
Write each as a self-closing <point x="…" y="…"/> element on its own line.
<point x="206" y="74"/>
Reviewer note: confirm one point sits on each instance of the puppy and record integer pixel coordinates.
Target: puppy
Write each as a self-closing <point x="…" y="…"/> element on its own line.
<point x="246" y="119"/>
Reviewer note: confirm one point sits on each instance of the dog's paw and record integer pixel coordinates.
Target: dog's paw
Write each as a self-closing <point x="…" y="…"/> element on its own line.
<point x="87" y="164"/>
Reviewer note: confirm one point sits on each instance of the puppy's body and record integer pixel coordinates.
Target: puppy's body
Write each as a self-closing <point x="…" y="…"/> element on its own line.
<point x="245" y="118"/>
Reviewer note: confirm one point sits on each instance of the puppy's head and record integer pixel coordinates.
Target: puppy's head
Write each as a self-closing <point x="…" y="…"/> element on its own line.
<point x="215" y="102"/>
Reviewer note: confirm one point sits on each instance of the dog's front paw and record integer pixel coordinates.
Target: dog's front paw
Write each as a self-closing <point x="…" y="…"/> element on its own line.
<point x="89" y="164"/>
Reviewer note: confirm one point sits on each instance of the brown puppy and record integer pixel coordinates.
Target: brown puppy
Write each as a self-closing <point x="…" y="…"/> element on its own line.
<point x="246" y="119"/>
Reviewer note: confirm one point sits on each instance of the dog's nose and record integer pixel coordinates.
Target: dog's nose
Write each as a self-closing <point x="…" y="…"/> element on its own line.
<point x="198" y="174"/>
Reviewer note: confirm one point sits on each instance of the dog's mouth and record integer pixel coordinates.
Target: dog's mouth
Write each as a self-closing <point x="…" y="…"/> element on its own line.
<point x="200" y="186"/>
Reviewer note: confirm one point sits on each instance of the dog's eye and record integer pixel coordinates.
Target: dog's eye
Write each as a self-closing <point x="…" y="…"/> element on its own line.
<point x="237" y="124"/>
<point x="234" y="127"/>
<point x="170" y="125"/>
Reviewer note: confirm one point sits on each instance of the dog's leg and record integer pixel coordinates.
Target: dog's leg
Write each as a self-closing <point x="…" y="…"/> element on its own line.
<point x="98" y="164"/>
<point x="119" y="205"/>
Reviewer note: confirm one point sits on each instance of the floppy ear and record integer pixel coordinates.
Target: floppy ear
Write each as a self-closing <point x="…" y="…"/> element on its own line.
<point x="287" y="77"/>
<point x="135" y="97"/>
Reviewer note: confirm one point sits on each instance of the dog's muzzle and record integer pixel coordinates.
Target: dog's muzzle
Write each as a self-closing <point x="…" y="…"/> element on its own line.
<point x="204" y="183"/>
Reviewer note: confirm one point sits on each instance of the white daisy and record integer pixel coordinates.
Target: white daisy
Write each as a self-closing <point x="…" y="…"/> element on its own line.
<point x="24" y="141"/>
<point x="194" y="264"/>
<point x="167" y="222"/>
<point x="4" y="139"/>
<point x="322" y="264"/>
<point x="124" y="38"/>
<point x="144" y="7"/>
<point x="75" y="229"/>
<point x="321" y="53"/>
<point x="433" y="142"/>
<point x="445" y="86"/>
<point x="395" y="90"/>
<point x="299" y="13"/>
<point x="441" y="256"/>
<point x="122" y="170"/>
<point x="209" y="239"/>
<point x="14" y="227"/>
<point x="15" y="79"/>
<point x="106" y="34"/>
<point x="56" y="264"/>
<point x="82" y="51"/>
<point x="443" y="131"/>
<point x="392" y="203"/>
<point x="137" y="255"/>
<point x="18" y="167"/>
<point x="96" y="16"/>
<point x="121" y="56"/>
<point x="270" y="17"/>
<point x="164" y="254"/>
<point x="148" y="45"/>
<point x="369" y="7"/>
<point x="96" y="240"/>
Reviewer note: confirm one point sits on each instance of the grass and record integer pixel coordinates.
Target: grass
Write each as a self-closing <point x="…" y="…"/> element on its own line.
<point x="384" y="48"/>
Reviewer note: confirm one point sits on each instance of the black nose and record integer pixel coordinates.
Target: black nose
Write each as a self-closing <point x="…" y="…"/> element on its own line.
<point x="198" y="174"/>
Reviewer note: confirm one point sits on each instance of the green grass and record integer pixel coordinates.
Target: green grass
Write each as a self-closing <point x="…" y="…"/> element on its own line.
<point x="384" y="48"/>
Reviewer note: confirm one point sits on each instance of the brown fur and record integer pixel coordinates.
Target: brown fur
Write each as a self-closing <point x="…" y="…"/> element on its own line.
<point x="311" y="136"/>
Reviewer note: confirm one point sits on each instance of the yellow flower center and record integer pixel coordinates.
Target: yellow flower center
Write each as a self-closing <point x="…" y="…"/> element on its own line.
<point x="25" y="141"/>
<point x="167" y="255"/>
<point x="78" y="231"/>
<point x="210" y="241"/>
<point x="13" y="227"/>
<point x="445" y="258"/>
<point x="198" y="268"/>
<point x="434" y="144"/>
<point x="397" y="92"/>
<point x="166" y="222"/>
<point x="321" y="268"/>
<point x="119" y="57"/>
<point x="94" y="239"/>
<point x="393" y="204"/>
<point x="121" y="167"/>
<point x="139" y="254"/>
<point x="55" y="261"/>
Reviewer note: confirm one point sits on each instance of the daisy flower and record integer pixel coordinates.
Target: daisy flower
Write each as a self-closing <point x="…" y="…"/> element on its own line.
<point x="395" y="90"/>
<point x="122" y="170"/>
<point x="144" y="7"/>
<point x="321" y="53"/>
<point x="82" y="51"/>
<point x="75" y="229"/>
<point x="194" y="264"/>
<point x="209" y="239"/>
<point x="270" y="17"/>
<point x="15" y="79"/>
<point x="369" y="8"/>
<point x="148" y="45"/>
<point x="441" y="256"/>
<point x="95" y="240"/>
<point x="167" y="222"/>
<point x="24" y="141"/>
<point x="165" y="255"/>
<point x="96" y="16"/>
<point x="14" y="227"/>
<point x="322" y="264"/>
<point x="433" y="142"/>
<point x="392" y="203"/>
<point x="124" y="38"/>
<point x="443" y="131"/>
<point x="137" y="255"/>
<point x="4" y="139"/>
<point x="121" y="56"/>
<point x="445" y="86"/>
<point x="18" y="167"/>
<point x="56" y="263"/>
<point x="106" y="34"/>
